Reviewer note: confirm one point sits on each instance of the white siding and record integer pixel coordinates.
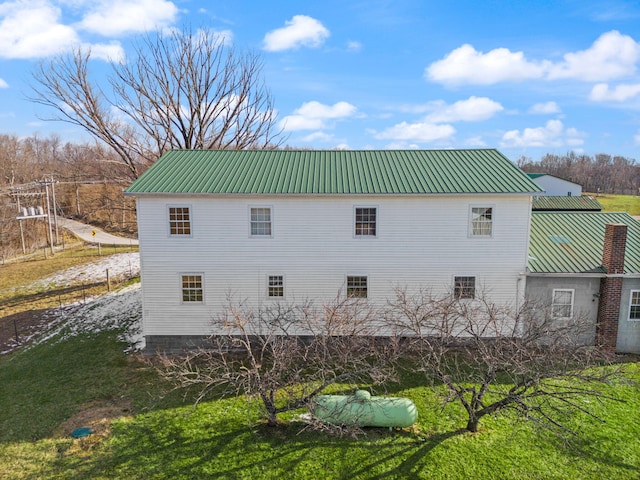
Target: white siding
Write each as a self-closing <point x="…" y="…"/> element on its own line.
<point x="422" y="241"/>
<point x="558" y="187"/>
<point x="628" y="330"/>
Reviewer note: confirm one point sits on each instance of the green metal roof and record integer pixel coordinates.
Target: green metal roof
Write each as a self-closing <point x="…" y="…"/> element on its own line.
<point x="536" y="175"/>
<point x="583" y="202"/>
<point x="333" y="172"/>
<point x="571" y="242"/>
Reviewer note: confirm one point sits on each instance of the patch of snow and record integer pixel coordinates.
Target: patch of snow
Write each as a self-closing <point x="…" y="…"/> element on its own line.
<point x="119" y="265"/>
<point x="119" y="310"/>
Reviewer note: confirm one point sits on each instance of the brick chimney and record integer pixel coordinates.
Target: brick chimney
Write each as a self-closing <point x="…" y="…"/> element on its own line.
<point x="615" y="241"/>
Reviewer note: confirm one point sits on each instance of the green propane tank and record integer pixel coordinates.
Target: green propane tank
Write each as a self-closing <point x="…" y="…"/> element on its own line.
<point x="363" y="410"/>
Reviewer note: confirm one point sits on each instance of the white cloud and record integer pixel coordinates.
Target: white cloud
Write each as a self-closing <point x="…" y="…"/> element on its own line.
<point x="314" y="115"/>
<point x="121" y="17"/>
<point x="353" y="46"/>
<point x="112" y="52"/>
<point x="553" y="134"/>
<point x="31" y="29"/>
<point x="544" y="108"/>
<point x="465" y="65"/>
<point x="611" y="56"/>
<point x="621" y="93"/>
<point x="417" y="132"/>
<point x="3" y="83"/>
<point x="636" y="138"/>
<point x="34" y="28"/>
<point x="475" y="142"/>
<point x="401" y="146"/>
<point x="474" y="109"/>
<point x="318" y="137"/>
<point x="300" y="31"/>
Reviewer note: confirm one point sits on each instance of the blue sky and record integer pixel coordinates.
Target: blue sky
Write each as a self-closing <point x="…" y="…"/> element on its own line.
<point x="528" y="78"/>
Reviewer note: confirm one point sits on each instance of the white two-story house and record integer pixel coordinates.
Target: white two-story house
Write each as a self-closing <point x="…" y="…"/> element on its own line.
<point x="287" y="226"/>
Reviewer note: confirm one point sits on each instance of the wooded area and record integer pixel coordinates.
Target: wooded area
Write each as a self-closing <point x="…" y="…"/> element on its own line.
<point x="601" y="173"/>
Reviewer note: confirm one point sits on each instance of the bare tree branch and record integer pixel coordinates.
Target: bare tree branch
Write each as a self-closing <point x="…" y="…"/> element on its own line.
<point x="181" y="90"/>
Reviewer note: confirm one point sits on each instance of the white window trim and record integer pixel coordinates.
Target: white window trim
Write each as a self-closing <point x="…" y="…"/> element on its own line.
<point x="353" y="225"/>
<point x="573" y="301"/>
<point x="271" y="216"/>
<point x="168" y="222"/>
<point x="470" y="221"/>
<point x="346" y="284"/>
<point x="475" y="287"/>
<point x="182" y="301"/>
<point x="630" y="305"/>
<point x="284" y="286"/>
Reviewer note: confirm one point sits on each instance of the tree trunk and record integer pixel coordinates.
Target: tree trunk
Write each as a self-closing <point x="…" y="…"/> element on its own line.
<point x="472" y="423"/>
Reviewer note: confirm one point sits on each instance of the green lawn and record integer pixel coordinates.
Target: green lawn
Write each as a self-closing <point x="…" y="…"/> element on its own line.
<point x="619" y="203"/>
<point x="155" y="436"/>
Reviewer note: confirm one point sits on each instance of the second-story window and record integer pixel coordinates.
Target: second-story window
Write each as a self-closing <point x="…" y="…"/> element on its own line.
<point x="179" y="221"/>
<point x="481" y="222"/>
<point x="366" y="221"/>
<point x="261" y="221"/>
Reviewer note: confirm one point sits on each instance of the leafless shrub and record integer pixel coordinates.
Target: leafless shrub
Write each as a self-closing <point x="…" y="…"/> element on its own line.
<point x="285" y="355"/>
<point x="496" y="358"/>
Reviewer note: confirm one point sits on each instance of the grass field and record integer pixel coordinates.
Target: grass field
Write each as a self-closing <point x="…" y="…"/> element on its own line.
<point x="55" y="387"/>
<point x="619" y="203"/>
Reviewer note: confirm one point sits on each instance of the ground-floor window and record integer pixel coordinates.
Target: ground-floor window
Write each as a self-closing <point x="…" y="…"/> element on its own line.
<point x="357" y="286"/>
<point x="562" y="303"/>
<point x="464" y="287"/>
<point x="634" y="305"/>
<point x="192" y="288"/>
<point x="276" y="286"/>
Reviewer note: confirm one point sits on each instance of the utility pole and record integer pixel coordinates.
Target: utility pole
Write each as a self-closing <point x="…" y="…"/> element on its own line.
<point x="55" y="212"/>
<point x="24" y="250"/>
<point x="46" y="188"/>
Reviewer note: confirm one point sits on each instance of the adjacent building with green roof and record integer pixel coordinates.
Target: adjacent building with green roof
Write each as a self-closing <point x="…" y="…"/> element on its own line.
<point x="583" y="203"/>
<point x="568" y="264"/>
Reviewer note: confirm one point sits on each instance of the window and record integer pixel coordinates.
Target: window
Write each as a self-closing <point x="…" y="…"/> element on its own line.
<point x="276" y="286"/>
<point x="634" y="305"/>
<point x="481" y="221"/>
<point x="562" y="303"/>
<point x="464" y="287"/>
<point x="192" y="288"/>
<point x="179" y="221"/>
<point x="260" y="221"/>
<point x="366" y="221"/>
<point x="357" y="287"/>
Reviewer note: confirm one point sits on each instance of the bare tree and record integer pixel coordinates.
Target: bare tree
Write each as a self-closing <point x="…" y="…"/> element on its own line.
<point x="494" y="358"/>
<point x="181" y="90"/>
<point x="285" y="355"/>
<point x="601" y="173"/>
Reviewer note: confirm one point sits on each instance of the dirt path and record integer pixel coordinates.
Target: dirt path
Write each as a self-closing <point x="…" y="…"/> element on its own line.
<point x="93" y="234"/>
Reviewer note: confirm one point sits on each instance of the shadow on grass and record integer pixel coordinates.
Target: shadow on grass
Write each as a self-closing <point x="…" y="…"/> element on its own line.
<point x="168" y="446"/>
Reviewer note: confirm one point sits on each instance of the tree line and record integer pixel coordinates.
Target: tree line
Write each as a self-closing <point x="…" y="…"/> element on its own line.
<point x="601" y="173"/>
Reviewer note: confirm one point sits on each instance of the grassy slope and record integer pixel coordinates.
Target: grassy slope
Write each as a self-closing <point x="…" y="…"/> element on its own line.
<point x="43" y="387"/>
<point x="619" y="203"/>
